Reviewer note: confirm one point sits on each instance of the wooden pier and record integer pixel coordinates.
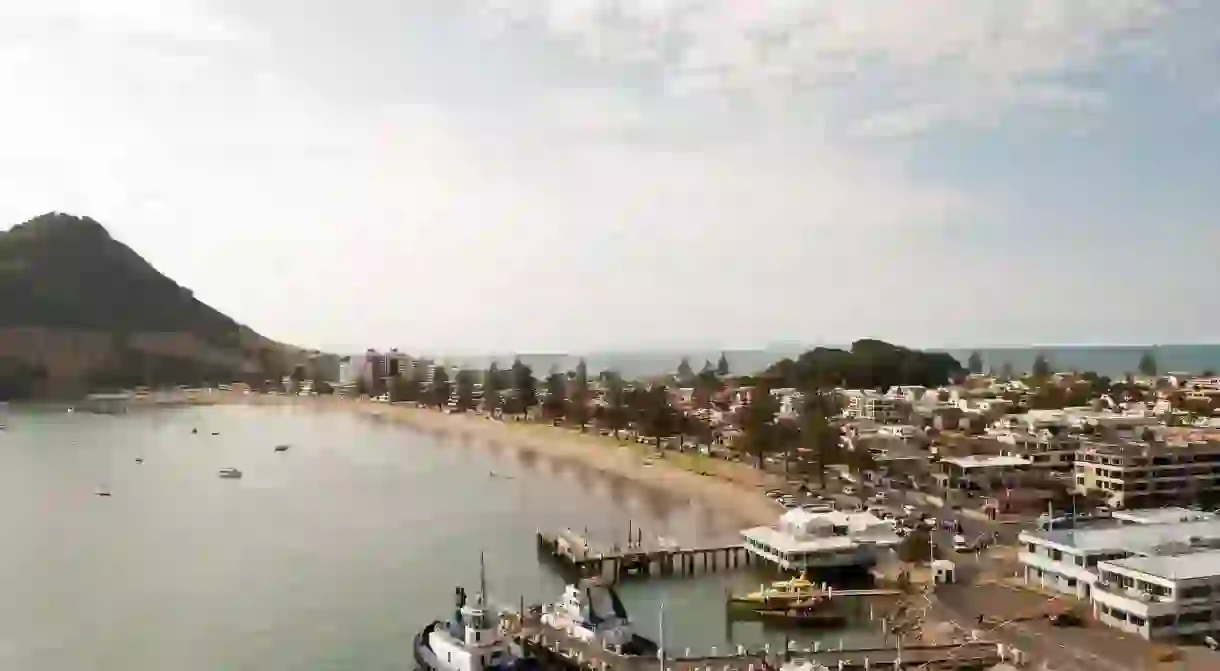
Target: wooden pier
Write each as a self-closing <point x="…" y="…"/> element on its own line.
<point x="558" y="651"/>
<point x="574" y="553"/>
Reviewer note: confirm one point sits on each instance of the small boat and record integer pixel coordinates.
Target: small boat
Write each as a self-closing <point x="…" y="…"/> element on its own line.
<point x="230" y="473"/>
<point x="782" y="593"/>
<point x="215" y="433"/>
<point x="282" y="448"/>
<point x="593" y="613"/>
<point x="194" y="430"/>
<point x="102" y="491"/>
<point x="139" y="460"/>
<point x="473" y="640"/>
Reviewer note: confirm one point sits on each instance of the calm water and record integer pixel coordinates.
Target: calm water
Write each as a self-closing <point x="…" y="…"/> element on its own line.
<point x="328" y="556"/>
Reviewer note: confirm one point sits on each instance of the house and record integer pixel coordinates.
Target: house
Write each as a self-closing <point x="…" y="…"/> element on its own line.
<point x="868" y="404"/>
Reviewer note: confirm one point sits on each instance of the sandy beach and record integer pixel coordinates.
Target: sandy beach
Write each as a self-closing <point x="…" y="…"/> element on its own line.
<point x="733" y="490"/>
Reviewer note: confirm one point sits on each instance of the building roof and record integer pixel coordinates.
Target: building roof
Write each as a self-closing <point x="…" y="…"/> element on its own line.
<point x="986" y="461"/>
<point x="1138" y="538"/>
<point x="1161" y="515"/>
<point x="1178" y="567"/>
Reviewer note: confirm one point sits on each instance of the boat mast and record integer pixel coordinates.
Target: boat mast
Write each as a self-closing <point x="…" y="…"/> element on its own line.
<point x="482" y="582"/>
<point x="661" y="639"/>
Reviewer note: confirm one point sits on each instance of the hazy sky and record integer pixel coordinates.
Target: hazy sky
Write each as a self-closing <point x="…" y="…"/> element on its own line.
<point x="580" y="174"/>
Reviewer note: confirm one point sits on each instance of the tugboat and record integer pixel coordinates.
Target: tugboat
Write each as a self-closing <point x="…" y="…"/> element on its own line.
<point x="472" y="641"/>
<point x="592" y="612"/>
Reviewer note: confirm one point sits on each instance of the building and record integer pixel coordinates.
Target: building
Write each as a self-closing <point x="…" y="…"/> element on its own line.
<point x="1161" y="515"/>
<point x="1143" y="474"/>
<point x="1045" y="449"/>
<point x="803" y="540"/>
<point x="870" y="405"/>
<point x="1066" y="560"/>
<point x="1160" y="597"/>
<point x="983" y="473"/>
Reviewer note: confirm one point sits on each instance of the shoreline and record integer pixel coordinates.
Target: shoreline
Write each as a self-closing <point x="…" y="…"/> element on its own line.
<point x="731" y="490"/>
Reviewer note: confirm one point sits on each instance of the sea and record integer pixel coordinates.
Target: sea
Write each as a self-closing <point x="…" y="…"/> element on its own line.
<point x="1112" y="361"/>
<point x="330" y="555"/>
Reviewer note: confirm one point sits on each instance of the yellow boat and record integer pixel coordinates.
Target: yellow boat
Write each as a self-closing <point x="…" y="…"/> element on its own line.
<point x="782" y="593"/>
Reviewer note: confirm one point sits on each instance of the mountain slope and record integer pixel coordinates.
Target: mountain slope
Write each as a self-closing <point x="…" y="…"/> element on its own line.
<point x="80" y="309"/>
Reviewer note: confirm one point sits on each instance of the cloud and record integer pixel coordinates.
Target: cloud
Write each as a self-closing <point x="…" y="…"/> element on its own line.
<point x="911" y="66"/>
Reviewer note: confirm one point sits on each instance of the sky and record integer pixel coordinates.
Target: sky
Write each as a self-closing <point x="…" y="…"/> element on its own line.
<point x="577" y="175"/>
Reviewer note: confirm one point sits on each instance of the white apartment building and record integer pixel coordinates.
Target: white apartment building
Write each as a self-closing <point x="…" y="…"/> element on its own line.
<point x="1068" y="560"/>
<point x="870" y="405"/>
<point x="1138" y="474"/>
<point x="1160" y="597"/>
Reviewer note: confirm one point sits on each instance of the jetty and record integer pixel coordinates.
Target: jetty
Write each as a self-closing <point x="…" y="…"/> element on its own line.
<point x="557" y="650"/>
<point x="574" y="552"/>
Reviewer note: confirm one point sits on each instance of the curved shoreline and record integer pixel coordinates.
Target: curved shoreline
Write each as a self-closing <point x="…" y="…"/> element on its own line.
<point x="733" y="490"/>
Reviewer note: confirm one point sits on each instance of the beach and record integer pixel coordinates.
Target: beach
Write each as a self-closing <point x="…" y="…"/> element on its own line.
<point x="733" y="490"/>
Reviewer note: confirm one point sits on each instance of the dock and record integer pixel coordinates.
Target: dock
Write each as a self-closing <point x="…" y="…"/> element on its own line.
<point x="574" y="553"/>
<point x="559" y="651"/>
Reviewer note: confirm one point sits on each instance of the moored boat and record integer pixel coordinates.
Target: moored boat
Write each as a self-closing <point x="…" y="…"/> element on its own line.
<point x="782" y="593"/>
<point x="230" y="473"/>
<point x="473" y="640"/>
<point x="592" y="611"/>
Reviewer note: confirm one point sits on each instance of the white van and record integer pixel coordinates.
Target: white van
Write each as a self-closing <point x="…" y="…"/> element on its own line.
<point x="960" y="544"/>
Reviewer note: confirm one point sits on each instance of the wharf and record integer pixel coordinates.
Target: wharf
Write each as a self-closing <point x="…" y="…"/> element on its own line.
<point x="573" y="552"/>
<point x="558" y="650"/>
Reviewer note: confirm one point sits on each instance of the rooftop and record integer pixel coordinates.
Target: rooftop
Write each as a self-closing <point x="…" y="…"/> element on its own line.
<point x="1161" y="515"/>
<point x="1141" y="539"/>
<point x="1178" y="567"/>
<point x="986" y="461"/>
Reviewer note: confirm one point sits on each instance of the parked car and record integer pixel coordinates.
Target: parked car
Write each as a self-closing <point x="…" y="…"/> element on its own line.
<point x="960" y="544"/>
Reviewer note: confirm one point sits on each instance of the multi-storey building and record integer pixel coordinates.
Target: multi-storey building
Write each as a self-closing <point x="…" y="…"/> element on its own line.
<point x="1046" y="450"/>
<point x="867" y="404"/>
<point x="1067" y="560"/>
<point x="1140" y="474"/>
<point x="1160" y="597"/>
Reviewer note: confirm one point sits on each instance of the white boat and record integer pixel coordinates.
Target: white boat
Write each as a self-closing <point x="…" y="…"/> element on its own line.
<point x="230" y="473"/>
<point x="592" y="612"/>
<point x="473" y="640"/>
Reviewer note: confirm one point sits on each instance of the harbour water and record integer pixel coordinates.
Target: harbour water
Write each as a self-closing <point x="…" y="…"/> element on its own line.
<point x="327" y="556"/>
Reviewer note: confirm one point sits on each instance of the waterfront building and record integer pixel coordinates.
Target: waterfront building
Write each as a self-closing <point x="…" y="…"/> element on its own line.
<point x="810" y="540"/>
<point x="1067" y="560"/>
<point x="1145" y="474"/>
<point x="1160" y="597"/>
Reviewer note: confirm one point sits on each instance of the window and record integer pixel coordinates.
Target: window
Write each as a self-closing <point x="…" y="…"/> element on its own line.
<point x="1057" y="555"/>
<point x="1072" y="583"/>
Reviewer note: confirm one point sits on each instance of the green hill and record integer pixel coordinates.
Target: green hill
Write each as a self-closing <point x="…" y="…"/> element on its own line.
<point x="81" y="310"/>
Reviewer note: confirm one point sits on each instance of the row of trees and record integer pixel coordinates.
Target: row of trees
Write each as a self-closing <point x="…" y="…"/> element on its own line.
<point x="1042" y="369"/>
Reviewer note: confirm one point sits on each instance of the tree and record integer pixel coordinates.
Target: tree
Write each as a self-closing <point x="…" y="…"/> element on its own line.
<point x="405" y="390"/>
<point x="757" y="421"/>
<point x="817" y="435"/>
<point x="491" y="389"/>
<point x="438" y="392"/>
<point x="555" y="403"/>
<point x="613" y="412"/>
<point x="1042" y="367"/>
<point x="686" y="375"/>
<point x="722" y="366"/>
<point x="654" y="414"/>
<point x="1006" y="371"/>
<point x="465" y="381"/>
<point x="975" y="363"/>
<point x="525" y="387"/>
<point x="1147" y="365"/>
<point x="578" y="400"/>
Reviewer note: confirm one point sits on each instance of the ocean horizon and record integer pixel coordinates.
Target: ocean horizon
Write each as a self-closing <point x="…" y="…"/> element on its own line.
<point x="1110" y="360"/>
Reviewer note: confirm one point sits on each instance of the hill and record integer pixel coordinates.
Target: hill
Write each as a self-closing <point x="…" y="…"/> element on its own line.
<point x="869" y="364"/>
<point x="83" y="311"/>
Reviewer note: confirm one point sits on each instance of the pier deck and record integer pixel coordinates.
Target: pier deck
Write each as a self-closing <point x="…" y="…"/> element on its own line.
<point x="562" y="651"/>
<point x="635" y="560"/>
